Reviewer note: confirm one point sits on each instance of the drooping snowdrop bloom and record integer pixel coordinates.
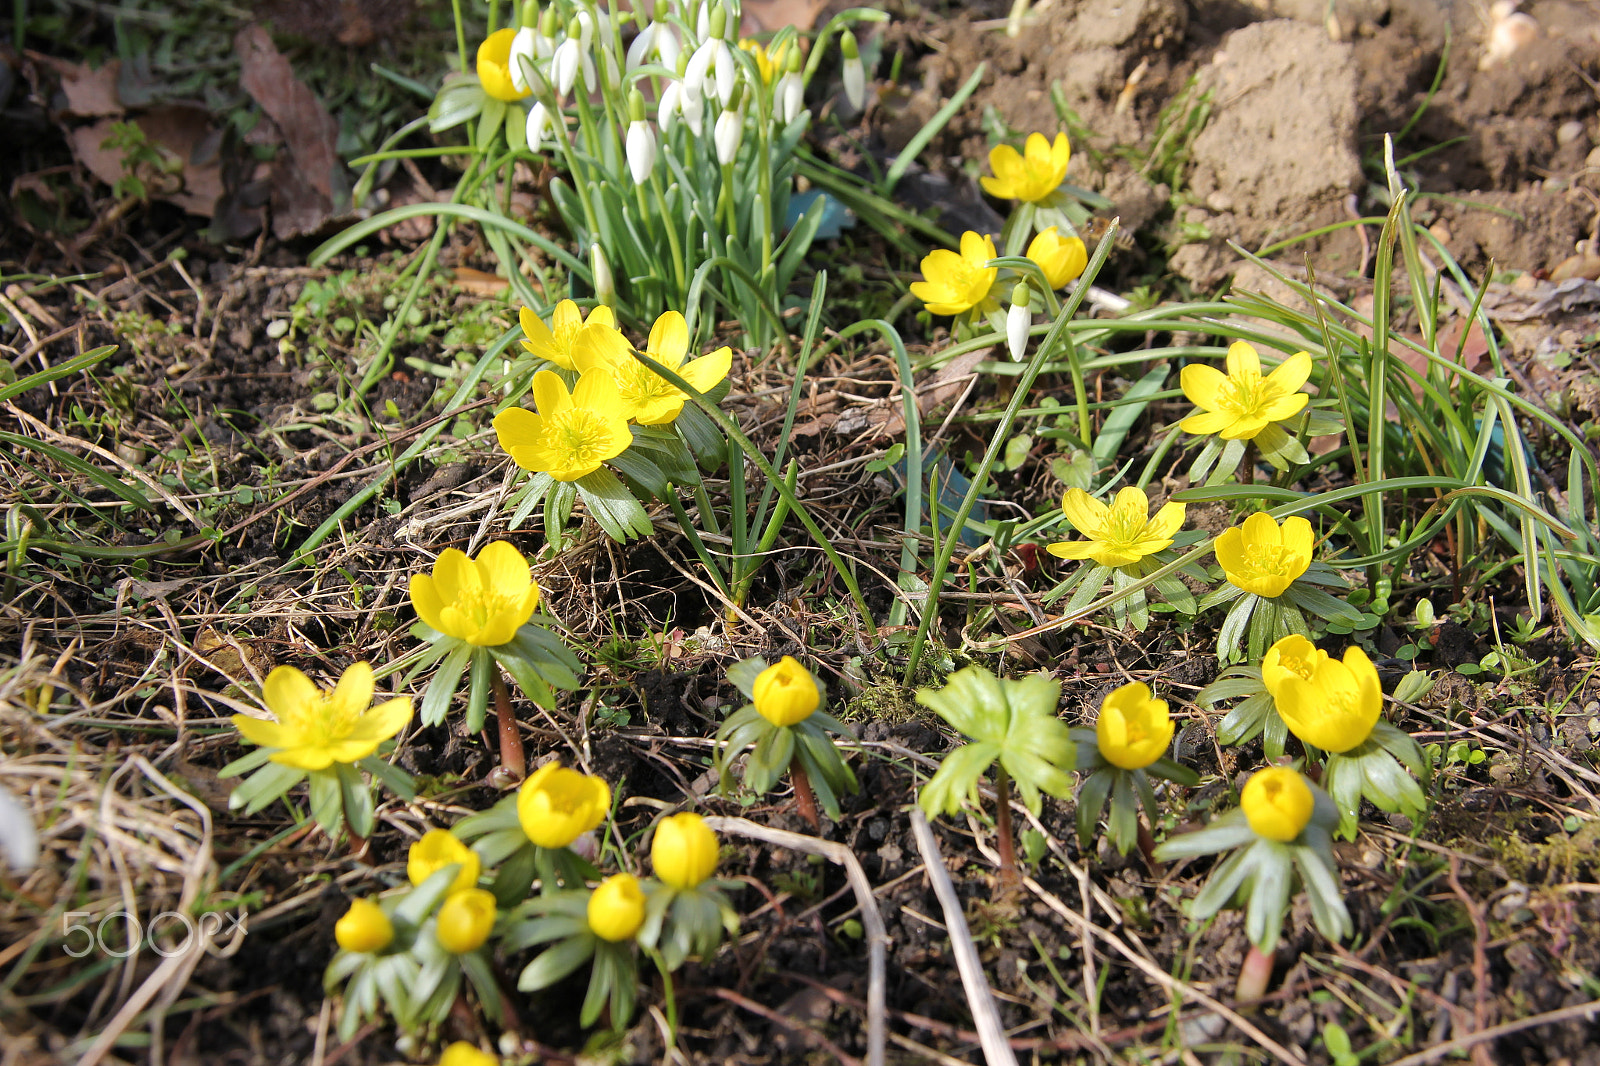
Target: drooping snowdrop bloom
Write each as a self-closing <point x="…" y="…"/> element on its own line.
<point x="641" y="140"/>
<point x="1019" y="320"/>
<point x="729" y="130"/>
<point x="855" y="72"/>
<point x="538" y="124"/>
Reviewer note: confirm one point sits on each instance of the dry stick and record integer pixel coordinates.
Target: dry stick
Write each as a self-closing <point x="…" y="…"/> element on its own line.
<point x="1480" y="957"/>
<point x="871" y="918"/>
<point x="1164" y="979"/>
<point x="985" y="1015"/>
<point x="512" y="758"/>
<point x="788" y="1023"/>
<point x="1439" y="1051"/>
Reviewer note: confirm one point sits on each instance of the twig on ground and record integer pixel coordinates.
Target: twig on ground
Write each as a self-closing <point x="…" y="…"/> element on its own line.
<point x="871" y="917"/>
<point x="787" y="1022"/>
<point x="991" y="1034"/>
<point x="1483" y="1036"/>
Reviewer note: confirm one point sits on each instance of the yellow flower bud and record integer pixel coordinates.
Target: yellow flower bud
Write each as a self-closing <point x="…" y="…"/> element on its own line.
<point x="1293" y="656"/>
<point x="437" y="849"/>
<point x="1277" y="801"/>
<point x="1336" y="709"/>
<point x="684" y="851"/>
<point x="364" y="928"/>
<point x="465" y="920"/>
<point x="1134" y="729"/>
<point x="462" y="1053"/>
<point x="556" y="805"/>
<point x="616" y="908"/>
<point x="786" y="693"/>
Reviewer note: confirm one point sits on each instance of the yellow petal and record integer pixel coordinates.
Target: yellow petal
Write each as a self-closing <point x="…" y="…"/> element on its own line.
<point x="1298" y="538"/>
<point x="1203" y="385"/>
<point x="1291" y="374"/>
<point x="1131" y="504"/>
<point x="504" y="569"/>
<point x="599" y="346"/>
<point x="426" y="600"/>
<point x="261" y="732"/>
<point x="540" y="341"/>
<point x="704" y="373"/>
<point x="453" y="575"/>
<point x="305" y="757"/>
<point x="353" y="694"/>
<point x="566" y="317"/>
<point x="550" y="393"/>
<point x="1243" y="361"/>
<point x="1036" y="149"/>
<point x="1167" y="521"/>
<point x="1284" y="407"/>
<point x="669" y="340"/>
<point x="517" y="427"/>
<point x="1087" y="514"/>
<point x="382" y="722"/>
<point x="1060" y="152"/>
<point x="1260" y="529"/>
<point x="1229" y="549"/>
<point x="1245" y="427"/>
<point x="1206" y="423"/>
<point x="597" y="391"/>
<point x="604" y="316"/>
<point x="1072" y="549"/>
<point x="288" y="693"/>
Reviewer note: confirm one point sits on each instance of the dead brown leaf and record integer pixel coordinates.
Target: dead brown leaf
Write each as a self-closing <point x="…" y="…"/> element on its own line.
<point x="181" y="129"/>
<point x="311" y="184"/>
<point x="479" y="282"/>
<point x="90" y="93"/>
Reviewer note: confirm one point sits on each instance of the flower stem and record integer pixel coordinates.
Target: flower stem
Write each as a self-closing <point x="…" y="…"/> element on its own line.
<point x="804" y="798"/>
<point x="1147" y="848"/>
<point x="512" y="759"/>
<point x="1247" y="469"/>
<point x="670" y="1000"/>
<point x="1254" y="975"/>
<point x="1009" y="876"/>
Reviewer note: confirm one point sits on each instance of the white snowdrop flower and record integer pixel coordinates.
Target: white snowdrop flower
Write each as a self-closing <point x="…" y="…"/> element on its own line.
<point x="605" y="289"/>
<point x="791" y="96"/>
<point x="667" y="45"/>
<point x="571" y="59"/>
<point x="641" y="149"/>
<point x="524" y="54"/>
<point x="855" y="73"/>
<point x="667" y="109"/>
<point x="641" y="47"/>
<point x="19" y="841"/>
<point x="694" y="75"/>
<point x="1019" y="320"/>
<point x="728" y="133"/>
<point x="538" y="124"/>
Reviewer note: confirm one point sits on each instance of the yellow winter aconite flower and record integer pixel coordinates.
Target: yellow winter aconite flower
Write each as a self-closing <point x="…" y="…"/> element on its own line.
<point x="1336" y="709"/>
<point x="494" y="66"/>
<point x="465" y="920"/>
<point x="684" y="851"/>
<point x="1261" y="557"/>
<point x="785" y="693"/>
<point x="554" y="342"/>
<point x="1240" y="404"/>
<point x="1293" y="656"/>
<point x="315" y="729"/>
<point x="649" y="397"/>
<point x="1031" y="175"/>
<point x="1277" y="803"/>
<point x="957" y="282"/>
<point x="1134" y="729"/>
<point x="1061" y="258"/>
<point x="437" y="849"/>
<point x="462" y="1053"/>
<point x="616" y="908"/>
<point x="364" y="928"/>
<point x="573" y="433"/>
<point x="767" y="63"/>
<point x="483" y="601"/>
<point x="556" y="806"/>
<point x="1120" y="534"/>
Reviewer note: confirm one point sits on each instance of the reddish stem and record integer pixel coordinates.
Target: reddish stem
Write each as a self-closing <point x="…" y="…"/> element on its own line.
<point x="804" y="798"/>
<point x="512" y="759"/>
<point x="1002" y="830"/>
<point x="1254" y="976"/>
<point x="1147" y="848"/>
